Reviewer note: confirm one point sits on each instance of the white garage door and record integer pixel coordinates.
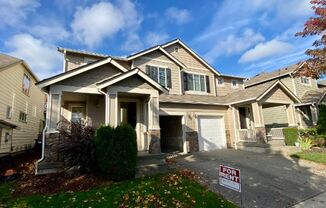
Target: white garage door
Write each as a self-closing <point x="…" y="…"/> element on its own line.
<point x="211" y="133"/>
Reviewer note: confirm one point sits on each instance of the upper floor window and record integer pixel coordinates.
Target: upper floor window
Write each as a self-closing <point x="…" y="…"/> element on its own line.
<point x="196" y="82"/>
<point x="9" y="112"/>
<point x="22" y="117"/>
<point x="162" y="75"/>
<point x="220" y="81"/>
<point x="26" y="84"/>
<point x="305" y="80"/>
<point x="234" y="83"/>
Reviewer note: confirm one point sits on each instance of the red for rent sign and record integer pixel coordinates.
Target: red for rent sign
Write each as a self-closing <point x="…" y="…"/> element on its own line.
<point x="230" y="178"/>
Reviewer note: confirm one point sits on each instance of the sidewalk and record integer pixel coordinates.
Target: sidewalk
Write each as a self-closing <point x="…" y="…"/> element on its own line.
<point x="318" y="201"/>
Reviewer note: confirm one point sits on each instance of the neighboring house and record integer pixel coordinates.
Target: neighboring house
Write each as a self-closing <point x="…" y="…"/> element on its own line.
<point x="307" y="89"/>
<point x="21" y="106"/>
<point x="173" y="98"/>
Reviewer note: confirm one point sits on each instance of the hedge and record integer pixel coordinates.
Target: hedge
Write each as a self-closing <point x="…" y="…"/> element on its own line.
<point x="117" y="151"/>
<point x="290" y="136"/>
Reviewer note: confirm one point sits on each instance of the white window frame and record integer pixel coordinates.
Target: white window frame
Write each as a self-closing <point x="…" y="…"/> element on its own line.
<point x="29" y="84"/>
<point x="237" y="85"/>
<point x="307" y="79"/>
<point x="195" y="91"/>
<point x="78" y="106"/>
<point x="9" y="112"/>
<point x="217" y="82"/>
<point x="23" y="118"/>
<point x="165" y="75"/>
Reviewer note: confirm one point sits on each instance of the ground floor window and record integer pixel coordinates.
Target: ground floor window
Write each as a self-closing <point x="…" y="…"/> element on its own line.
<point x="77" y="114"/>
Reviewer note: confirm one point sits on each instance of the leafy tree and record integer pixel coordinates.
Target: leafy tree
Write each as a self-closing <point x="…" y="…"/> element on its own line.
<point x="316" y="25"/>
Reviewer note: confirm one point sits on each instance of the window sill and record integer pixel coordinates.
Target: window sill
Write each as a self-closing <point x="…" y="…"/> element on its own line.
<point x="196" y="93"/>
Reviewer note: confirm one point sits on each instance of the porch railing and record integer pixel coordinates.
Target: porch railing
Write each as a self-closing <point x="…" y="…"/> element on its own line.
<point x="247" y="135"/>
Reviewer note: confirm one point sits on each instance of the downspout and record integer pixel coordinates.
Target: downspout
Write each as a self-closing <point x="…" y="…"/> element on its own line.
<point x="44" y="131"/>
<point x="235" y="127"/>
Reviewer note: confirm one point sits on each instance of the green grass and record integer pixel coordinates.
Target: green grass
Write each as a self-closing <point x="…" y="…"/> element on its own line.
<point x="319" y="157"/>
<point x="169" y="190"/>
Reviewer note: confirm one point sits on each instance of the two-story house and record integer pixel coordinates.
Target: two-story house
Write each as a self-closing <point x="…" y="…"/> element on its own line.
<point x="307" y="89"/>
<point x="21" y="106"/>
<point x="173" y="98"/>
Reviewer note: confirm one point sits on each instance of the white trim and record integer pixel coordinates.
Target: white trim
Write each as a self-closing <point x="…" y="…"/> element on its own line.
<point x="116" y="64"/>
<point x="236" y="86"/>
<point x="293" y="84"/>
<point x="220" y="85"/>
<point x="172" y="57"/>
<point x="283" y="87"/>
<point x="278" y="101"/>
<point x="242" y="101"/>
<point x="305" y="84"/>
<point x="193" y="53"/>
<point x="195" y="91"/>
<point x="155" y="59"/>
<point x="67" y="88"/>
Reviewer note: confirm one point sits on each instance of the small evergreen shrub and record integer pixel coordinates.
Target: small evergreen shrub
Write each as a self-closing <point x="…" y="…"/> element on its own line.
<point x="117" y="151"/>
<point x="321" y="124"/>
<point x="290" y="136"/>
<point x="77" y="148"/>
<point x="104" y="145"/>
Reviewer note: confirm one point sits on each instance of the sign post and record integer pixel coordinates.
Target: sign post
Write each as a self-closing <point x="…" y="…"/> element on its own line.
<point x="230" y="178"/>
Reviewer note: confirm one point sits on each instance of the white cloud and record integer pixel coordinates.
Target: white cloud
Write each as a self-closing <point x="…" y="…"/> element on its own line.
<point x="133" y="43"/>
<point x="13" y="12"/>
<point x="178" y="16"/>
<point x="43" y="58"/>
<point x="91" y="25"/>
<point x="233" y="44"/>
<point x="49" y="32"/>
<point x="264" y="50"/>
<point x="153" y="38"/>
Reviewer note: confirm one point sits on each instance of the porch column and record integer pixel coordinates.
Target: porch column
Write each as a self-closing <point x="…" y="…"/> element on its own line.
<point x="54" y="110"/>
<point x="257" y="111"/>
<point x="290" y="114"/>
<point x="111" y="109"/>
<point x="154" y="132"/>
<point x="314" y="114"/>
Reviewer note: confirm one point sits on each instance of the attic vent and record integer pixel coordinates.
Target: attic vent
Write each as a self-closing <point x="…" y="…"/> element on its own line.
<point x="176" y="49"/>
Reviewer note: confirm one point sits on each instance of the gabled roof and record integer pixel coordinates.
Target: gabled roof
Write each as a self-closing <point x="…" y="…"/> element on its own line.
<point x="110" y="81"/>
<point x="7" y="61"/>
<point x="158" y="47"/>
<point x="257" y="92"/>
<point x="192" y="52"/>
<point x="79" y="70"/>
<point x="314" y="96"/>
<point x="268" y="76"/>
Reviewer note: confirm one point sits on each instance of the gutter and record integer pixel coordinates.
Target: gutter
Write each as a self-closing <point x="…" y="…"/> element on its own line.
<point x="44" y="131"/>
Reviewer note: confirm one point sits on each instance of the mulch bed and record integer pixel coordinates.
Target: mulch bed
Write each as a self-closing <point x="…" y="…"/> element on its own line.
<point x="55" y="183"/>
<point x="318" y="149"/>
<point x="28" y="183"/>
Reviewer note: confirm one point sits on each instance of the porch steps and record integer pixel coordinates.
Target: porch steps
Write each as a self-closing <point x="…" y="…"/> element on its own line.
<point x="272" y="147"/>
<point x="49" y="167"/>
<point x="277" y="143"/>
<point x="253" y="147"/>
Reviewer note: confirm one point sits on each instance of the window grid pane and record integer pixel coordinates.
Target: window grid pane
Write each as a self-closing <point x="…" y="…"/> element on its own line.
<point x="202" y="83"/>
<point x="162" y="76"/>
<point x="196" y="83"/>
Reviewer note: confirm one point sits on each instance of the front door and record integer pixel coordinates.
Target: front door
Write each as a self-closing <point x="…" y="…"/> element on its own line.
<point x="128" y="113"/>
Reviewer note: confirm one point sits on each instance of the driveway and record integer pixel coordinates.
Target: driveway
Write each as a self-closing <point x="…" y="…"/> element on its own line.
<point x="268" y="180"/>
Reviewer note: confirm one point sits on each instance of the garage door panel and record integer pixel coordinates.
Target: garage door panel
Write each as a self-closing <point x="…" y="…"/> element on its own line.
<point x="211" y="133"/>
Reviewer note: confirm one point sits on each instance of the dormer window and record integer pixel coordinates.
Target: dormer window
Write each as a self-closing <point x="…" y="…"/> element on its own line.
<point x="161" y="75"/>
<point x="220" y="81"/>
<point x="234" y="83"/>
<point x="305" y="80"/>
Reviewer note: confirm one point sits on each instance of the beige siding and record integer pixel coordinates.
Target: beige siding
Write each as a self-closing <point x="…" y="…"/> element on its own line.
<point x="89" y="78"/>
<point x="302" y="89"/>
<point x="287" y="81"/>
<point x="226" y="88"/>
<point x="275" y="115"/>
<point x="134" y="82"/>
<point x="11" y="94"/>
<point x="157" y="58"/>
<point x="74" y="60"/>
<point x="277" y="94"/>
<point x="185" y="57"/>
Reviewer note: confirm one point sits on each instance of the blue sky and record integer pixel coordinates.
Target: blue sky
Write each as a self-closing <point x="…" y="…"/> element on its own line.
<point x="236" y="37"/>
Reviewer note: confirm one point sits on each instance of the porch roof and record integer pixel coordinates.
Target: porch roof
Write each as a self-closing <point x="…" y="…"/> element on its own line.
<point x="257" y="92"/>
<point x="7" y="124"/>
<point x="314" y="96"/>
<point x="193" y="99"/>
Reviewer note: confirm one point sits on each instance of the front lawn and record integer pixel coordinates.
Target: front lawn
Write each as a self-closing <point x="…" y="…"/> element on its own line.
<point x="168" y="190"/>
<point x="315" y="156"/>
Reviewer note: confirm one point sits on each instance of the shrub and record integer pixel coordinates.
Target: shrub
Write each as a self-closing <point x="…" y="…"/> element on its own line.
<point x="290" y="136"/>
<point x="117" y="151"/>
<point x="321" y="124"/>
<point x="103" y="142"/>
<point x="305" y="144"/>
<point x="77" y="148"/>
<point x="309" y="133"/>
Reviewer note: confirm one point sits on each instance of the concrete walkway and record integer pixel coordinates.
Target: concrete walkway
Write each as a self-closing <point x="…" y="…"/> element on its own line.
<point x="318" y="201"/>
<point x="268" y="180"/>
